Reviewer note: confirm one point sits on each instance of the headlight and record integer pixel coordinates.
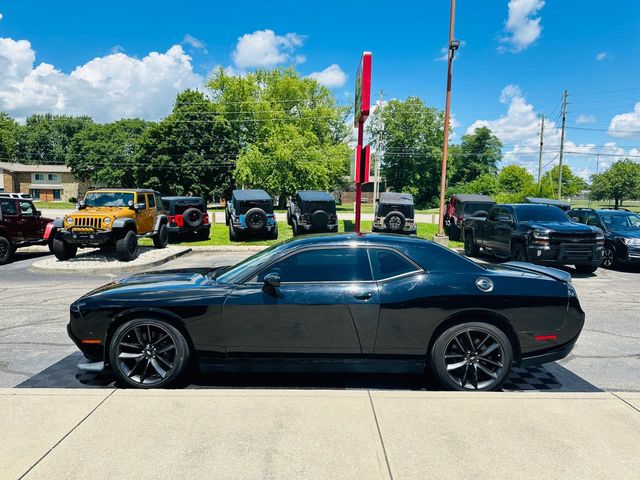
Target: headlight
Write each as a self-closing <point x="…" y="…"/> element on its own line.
<point x="69" y="220"/>
<point x="540" y="235"/>
<point x="631" y="241"/>
<point x="107" y="220"/>
<point x="600" y="236"/>
<point x="572" y="291"/>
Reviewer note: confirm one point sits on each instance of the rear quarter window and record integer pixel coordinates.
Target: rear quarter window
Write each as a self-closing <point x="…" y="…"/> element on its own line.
<point x="387" y="264"/>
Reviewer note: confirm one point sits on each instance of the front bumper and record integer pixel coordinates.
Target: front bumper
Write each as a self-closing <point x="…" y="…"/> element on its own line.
<point x="566" y="254"/>
<point x="85" y="239"/>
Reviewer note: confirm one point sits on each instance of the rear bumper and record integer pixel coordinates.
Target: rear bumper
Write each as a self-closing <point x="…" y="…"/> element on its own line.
<point x="565" y="254"/>
<point x="332" y="227"/>
<point x="175" y="230"/>
<point x="550" y="355"/>
<point x="85" y="239"/>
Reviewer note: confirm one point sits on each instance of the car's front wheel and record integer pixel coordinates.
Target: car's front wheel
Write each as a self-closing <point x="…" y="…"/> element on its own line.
<point x="148" y="353"/>
<point x="519" y="252"/>
<point x="608" y="257"/>
<point x="62" y="250"/>
<point x="472" y="356"/>
<point x="6" y="250"/>
<point x="127" y="246"/>
<point x="470" y="247"/>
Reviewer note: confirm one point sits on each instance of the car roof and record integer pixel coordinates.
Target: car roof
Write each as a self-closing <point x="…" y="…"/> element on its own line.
<point x="605" y="211"/>
<point x="465" y="197"/>
<point x="397" y="198"/>
<point x="388" y="239"/>
<point x="527" y="205"/>
<point x="547" y="201"/>
<point x="315" y="196"/>
<point x="251" y="195"/>
<point x="176" y="199"/>
<point x="126" y="190"/>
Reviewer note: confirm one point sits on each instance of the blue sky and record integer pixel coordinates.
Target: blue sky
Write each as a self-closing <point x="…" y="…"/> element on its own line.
<point x="96" y="58"/>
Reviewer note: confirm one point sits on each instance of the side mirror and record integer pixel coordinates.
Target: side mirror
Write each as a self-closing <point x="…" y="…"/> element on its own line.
<point x="130" y="204"/>
<point x="81" y="205"/>
<point x="272" y="279"/>
<point x="37" y="213"/>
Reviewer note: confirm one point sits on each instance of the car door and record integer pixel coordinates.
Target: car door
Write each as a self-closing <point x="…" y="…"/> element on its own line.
<point x="142" y="215"/>
<point x="490" y="224"/>
<point x="32" y="228"/>
<point x="327" y="304"/>
<point x="11" y="219"/>
<point x="502" y="230"/>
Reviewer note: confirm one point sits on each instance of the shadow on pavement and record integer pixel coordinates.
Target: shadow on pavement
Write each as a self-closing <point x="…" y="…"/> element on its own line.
<point x="551" y="377"/>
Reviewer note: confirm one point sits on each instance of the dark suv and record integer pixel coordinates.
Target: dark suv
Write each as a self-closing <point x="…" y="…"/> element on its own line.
<point x="21" y="225"/>
<point x="250" y="212"/>
<point x="312" y="211"/>
<point x="187" y="216"/>
<point x="621" y="233"/>
<point x="395" y="213"/>
<point x="463" y="206"/>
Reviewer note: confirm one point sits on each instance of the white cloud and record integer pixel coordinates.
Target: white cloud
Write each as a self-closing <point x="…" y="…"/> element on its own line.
<point x="521" y="26"/>
<point x="107" y="88"/>
<point x="602" y="56"/>
<point x="1" y="16"/>
<point x="194" y="42"/>
<point x="586" y="119"/>
<point x="263" y="48"/>
<point x="626" y="125"/>
<point x="332" y="76"/>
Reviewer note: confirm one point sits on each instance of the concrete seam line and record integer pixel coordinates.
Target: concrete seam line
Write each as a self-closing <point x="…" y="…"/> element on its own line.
<point x="66" y="435"/>
<point x="620" y="398"/>
<point x="384" y="449"/>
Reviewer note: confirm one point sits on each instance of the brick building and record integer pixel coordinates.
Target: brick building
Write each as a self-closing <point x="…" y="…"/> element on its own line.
<point x="47" y="183"/>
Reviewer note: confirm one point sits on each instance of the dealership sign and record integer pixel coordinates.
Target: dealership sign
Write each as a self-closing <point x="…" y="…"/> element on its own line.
<point x="363" y="90"/>
<point x="361" y="164"/>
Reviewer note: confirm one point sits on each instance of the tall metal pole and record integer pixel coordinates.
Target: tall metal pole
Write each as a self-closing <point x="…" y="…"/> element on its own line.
<point x="541" y="145"/>
<point x="445" y="143"/>
<point x="359" y="184"/>
<point x="376" y="187"/>
<point x="564" y="116"/>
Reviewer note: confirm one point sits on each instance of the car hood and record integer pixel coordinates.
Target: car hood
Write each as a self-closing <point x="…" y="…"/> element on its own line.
<point x="561" y="227"/>
<point x="530" y="268"/>
<point x="627" y="232"/>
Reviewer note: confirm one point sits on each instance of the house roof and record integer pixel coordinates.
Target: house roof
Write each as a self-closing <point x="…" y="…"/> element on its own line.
<point x="22" y="167"/>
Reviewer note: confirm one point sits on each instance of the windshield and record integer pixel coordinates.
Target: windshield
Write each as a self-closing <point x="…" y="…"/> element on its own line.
<point x="541" y="214"/>
<point x="328" y="207"/>
<point x="621" y="221"/>
<point x="471" y="208"/>
<point x="108" y="199"/>
<point x="240" y="270"/>
<point x="385" y="208"/>
<point x="266" y="205"/>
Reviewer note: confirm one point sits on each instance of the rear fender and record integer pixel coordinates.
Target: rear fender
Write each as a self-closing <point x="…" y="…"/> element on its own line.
<point x="160" y="220"/>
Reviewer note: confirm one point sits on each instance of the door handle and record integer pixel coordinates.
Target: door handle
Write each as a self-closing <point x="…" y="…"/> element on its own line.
<point x="363" y="296"/>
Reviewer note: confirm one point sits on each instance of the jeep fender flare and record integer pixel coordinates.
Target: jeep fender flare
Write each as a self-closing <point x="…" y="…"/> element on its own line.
<point x="160" y="220"/>
<point x="124" y="224"/>
<point x="58" y="223"/>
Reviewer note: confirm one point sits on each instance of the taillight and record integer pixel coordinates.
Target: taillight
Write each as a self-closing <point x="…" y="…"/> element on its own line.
<point x="176" y="221"/>
<point x="205" y="218"/>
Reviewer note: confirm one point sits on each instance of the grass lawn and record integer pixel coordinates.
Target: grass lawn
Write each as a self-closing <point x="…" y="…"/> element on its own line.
<point x="220" y="234"/>
<point x="633" y="205"/>
<point x="55" y="205"/>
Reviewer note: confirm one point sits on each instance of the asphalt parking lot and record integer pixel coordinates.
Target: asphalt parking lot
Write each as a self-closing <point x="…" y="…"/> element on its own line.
<point x="36" y="351"/>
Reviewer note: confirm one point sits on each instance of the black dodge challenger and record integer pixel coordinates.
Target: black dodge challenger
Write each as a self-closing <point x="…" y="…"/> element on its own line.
<point x="370" y="302"/>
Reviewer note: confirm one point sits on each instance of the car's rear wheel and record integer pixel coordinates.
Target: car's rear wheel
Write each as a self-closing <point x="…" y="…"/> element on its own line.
<point x="472" y="356"/>
<point x="470" y="247"/>
<point x="161" y="239"/>
<point x="127" y="246"/>
<point x="62" y="250"/>
<point x="233" y="235"/>
<point x="5" y="250"/>
<point x="148" y="353"/>
<point x="586" y="268"/>
<point x="519" y="252"/>
<point x="608" y="257"/>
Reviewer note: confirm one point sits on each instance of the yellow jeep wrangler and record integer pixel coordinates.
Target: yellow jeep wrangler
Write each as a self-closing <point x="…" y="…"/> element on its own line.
<point x="111" y="219"/>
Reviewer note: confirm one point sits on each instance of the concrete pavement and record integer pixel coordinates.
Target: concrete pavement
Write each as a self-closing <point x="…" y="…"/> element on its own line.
<point x="360" y="434"/>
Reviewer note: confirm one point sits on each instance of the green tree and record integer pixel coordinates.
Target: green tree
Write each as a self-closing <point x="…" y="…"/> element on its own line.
<point x="106" y="154"/>
<point x="571" y="184"/>
<point x="190" y="151"/>
<point x="485" y="184"/>
<point x="479" y="153"/>
<point x="515" y="179"/>
<point x="620" y="182"/>
<point x="8" y="130"/>
<point x="411" y="142"/>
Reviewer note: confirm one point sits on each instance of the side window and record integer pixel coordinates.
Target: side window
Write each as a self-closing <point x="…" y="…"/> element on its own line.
<point x="26" y="209"/>
<point x="592" y="220"/>
<point x="152" y="200"/>
<point x="323" y="265"/>
<point x="159" y="203"/>
<point x="493" y="213"/>
<point x="387" y="264"/>
<point x="142" y="198"/>
<point x="8" y="207"/>
<point x="576" y="217"/>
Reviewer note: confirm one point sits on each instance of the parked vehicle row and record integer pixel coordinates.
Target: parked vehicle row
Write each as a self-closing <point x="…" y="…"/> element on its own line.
<point x="21" y="225"/>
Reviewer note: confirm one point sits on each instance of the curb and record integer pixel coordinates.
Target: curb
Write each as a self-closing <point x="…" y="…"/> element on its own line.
<point x="109" y="268"/>
<point x="227" y="248"/>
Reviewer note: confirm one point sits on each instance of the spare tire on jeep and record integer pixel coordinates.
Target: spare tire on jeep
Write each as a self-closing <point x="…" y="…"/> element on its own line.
<point x="256" y="219"/>
<point x="320" y="219"/>
<point x="192" y="217"/>
<point x="395" y="221"/>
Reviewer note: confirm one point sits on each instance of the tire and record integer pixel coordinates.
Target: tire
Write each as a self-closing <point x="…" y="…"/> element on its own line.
<point x="161" y="360"/>
<point x="161" y="239"/>
<point x="289" y="222"/>
<point x="233" y="235"/>
<point x="273" y="234"/>
<point x="6" y="250"/>
<point x="62" y="250"/>
<point x="519" y="252"/>
<point x="127" y="246"/>
<point x="226" y="218"/>
<point x="394" y="221"/>
<point x="490" y="352"/>
<point x="470" y="247"/>
<point x="609" y="259"/>
<point x="320" y="219"/>
<point x="52" y="235"/>
<point x="295" y="228"/>
<point x="586" y="268"/>
<point x="454" y="232"/>
<point x="256" y="219"/>
<point x="192" y="217"/>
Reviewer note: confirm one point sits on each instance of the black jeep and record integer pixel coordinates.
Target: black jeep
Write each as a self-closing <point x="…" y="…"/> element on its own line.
<point x="250" y="212"/>
<point x="395" y="213"/>
<point x="187" y="216"/>
<point x="312" y="211"/>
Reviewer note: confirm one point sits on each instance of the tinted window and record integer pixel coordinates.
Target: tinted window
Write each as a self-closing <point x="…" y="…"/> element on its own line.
<point x="592" y="220"/>
<point x="152" y="200"/>
<point x="471" y="208"/>
<point x="26" y="208"/>
<point x="323" y="265"/>
<point x="541" y="214"/>
<point x="387" y="264"/>
<point x="621" y="221"/>
<point x="108" y="199"/>
<point x="8" y="207"/>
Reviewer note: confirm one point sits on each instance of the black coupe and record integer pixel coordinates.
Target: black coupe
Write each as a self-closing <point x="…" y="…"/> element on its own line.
<point x="370" y="302"/>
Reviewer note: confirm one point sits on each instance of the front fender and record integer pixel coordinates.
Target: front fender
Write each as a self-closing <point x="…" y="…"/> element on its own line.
<point x="58" y="223"/>
<point x="124" y="222"/>
<point x="49" y="230"/>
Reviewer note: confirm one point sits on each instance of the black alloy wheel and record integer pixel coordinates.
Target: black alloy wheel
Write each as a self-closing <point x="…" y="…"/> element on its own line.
<point x="148" y="354"/>
<point x="519" y="252"/>
<point x="472" y="356"/>
<point x="470" y="247"/>
<point x="608" y="257"/>
<point x="5" y="250"/>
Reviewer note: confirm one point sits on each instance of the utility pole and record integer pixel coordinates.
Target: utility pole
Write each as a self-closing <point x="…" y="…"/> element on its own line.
<point x="564" y="116"/>
<point x="376" y="170"/>
<point x="451" y="48"/>
<point x="541" y="145"/>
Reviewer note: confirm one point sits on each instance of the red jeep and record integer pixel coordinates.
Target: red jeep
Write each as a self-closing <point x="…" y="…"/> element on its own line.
<point x="21" y="225"/>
